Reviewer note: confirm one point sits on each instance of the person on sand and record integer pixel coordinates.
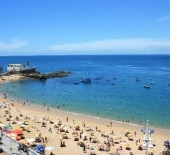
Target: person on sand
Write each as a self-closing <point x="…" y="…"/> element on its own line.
<point x="51" y="153"/>
<point x="67" y="119"/>
<point x="135" y="133"/>
<point x="61" y="144"/>
<point x="64" y="145"/>
<point x="50" y="130"/>
<point x="46" y="141"/>
<point x="80" y="135"/>
<point x="84" y="149"/>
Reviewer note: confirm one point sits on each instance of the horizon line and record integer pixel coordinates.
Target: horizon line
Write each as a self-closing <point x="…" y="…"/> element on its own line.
<point x="87" y="55"/>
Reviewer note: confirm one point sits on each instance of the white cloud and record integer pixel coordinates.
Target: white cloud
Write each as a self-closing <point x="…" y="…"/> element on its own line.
<point x="13" y="45"/>
<point x="163" y="19"/>
<point x="137" y="44"/>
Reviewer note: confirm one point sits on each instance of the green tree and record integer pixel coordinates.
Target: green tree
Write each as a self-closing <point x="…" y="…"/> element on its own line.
<point x="166" y="152"/>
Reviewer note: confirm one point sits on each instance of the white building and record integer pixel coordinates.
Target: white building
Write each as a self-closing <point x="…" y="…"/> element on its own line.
<point x="16" y="67"/>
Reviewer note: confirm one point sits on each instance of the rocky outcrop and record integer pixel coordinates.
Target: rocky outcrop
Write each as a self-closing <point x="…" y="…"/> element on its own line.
<point x="40" y="76"/>
<point x="32" y="73"/>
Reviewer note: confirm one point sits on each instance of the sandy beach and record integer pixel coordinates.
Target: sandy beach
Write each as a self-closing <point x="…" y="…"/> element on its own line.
<point x="81" y="134"/>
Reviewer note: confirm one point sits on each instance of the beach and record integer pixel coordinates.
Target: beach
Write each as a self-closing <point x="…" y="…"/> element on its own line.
<point x="77" y="130"/>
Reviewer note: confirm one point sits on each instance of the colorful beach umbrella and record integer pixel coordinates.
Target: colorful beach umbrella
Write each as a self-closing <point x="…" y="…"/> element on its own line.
<point x="17" y="132"/>
<point x="8" y="127"/>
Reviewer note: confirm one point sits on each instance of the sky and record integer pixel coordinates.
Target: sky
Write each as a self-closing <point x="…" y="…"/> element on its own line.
<point x="79" y="27"/>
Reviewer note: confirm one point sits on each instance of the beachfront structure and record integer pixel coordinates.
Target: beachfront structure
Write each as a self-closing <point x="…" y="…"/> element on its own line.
<point x="147" y="141"/>
<point x="16" y="67"/>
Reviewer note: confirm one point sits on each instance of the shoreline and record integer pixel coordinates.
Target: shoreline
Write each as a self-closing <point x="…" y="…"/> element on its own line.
<point x="119" y="128"/>
<point x="111" y="115"/>
<point x="40" y="105"/>
<point x="19" y="77"/>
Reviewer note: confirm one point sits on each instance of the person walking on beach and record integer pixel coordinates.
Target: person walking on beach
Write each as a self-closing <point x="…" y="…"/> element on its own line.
<point x="46" y="139"/>
<point x="135" y="133"/>
<point x="84" y="149"/>
<point x="50" y="130"/>
<point x="61" y="144"/>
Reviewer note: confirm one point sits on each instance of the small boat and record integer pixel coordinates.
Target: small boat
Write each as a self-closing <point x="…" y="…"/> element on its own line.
<point x="98" y="78"/>
<point x="86" y="80"/>
<point x="76" y="82"/>
<point x="137" y="79"/>
<point x="152" y="82"/>
<point x="146" y="86"/>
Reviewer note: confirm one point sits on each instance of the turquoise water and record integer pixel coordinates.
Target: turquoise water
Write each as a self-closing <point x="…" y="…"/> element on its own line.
<point x="121" y="99"/>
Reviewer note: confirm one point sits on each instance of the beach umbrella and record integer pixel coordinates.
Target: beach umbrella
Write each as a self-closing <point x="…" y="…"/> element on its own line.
<point x="12" y="135"/>
<point x="40" y="148"/>
<point x="17" y="128"/>
<point x="151" y="131"/>
<point x="26" y="123"/>
<point x="65" y="128"/>
<point x="143" y="130"/>
<point x="22" y="141"/>
<point x="130" y="135"/>
<point x="8" y="127"/>
<point x="49" y="148"/>
<point x="2" y="125"/>
<point x="30" y="140"/>
<point x="83" y="135"/>
<point x="20" y="123"/>
<point x="17" y="132"/>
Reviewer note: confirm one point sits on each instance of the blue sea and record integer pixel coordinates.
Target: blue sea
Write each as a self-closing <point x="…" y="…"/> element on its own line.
<point x="115" y="95"/>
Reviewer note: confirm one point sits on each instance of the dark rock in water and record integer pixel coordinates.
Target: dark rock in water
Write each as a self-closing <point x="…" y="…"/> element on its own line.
<point x="41" y="76"/>
<point x="57" y="74"/>
<point x="28" y="71"/>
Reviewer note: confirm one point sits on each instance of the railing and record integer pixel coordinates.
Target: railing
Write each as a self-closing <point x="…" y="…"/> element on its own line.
<point x="32" y="152"/>
<point x="7" y="137"/>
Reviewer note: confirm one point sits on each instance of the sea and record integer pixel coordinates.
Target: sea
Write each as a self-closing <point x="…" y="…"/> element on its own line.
<point x="114" y="93"/>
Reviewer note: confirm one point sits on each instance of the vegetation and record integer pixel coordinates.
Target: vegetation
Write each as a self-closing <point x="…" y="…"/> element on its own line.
<point x="166" y="152"/>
